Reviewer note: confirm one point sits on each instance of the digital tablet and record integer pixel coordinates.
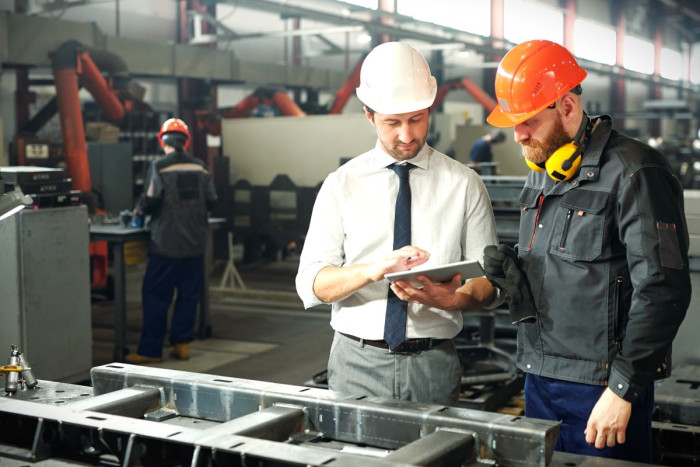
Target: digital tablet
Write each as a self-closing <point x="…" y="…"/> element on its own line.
<point x="441" y="273"/>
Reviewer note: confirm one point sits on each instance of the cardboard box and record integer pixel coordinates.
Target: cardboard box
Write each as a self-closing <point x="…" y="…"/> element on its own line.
<point x="135" y="252"/>
<point x="102" y="132"/>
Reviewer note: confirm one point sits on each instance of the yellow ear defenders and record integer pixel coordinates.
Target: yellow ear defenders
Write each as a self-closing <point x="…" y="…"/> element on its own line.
<point x="565" y="161"/>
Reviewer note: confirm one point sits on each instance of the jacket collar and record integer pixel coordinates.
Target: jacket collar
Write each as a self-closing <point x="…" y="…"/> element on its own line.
<point x="602" y="128"/>
<point x="590" y="161"/>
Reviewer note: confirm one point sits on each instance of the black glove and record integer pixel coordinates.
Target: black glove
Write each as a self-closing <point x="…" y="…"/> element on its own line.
<point x="494" y="257"/>
<point x="502" y="267"/>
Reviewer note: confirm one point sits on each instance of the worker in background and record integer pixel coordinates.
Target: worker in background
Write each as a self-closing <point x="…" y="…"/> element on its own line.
<point x="602" y="259"/>
<point x="355" y="237"/>
<point x="481" y="153"/>
<point x="178" y="193"/>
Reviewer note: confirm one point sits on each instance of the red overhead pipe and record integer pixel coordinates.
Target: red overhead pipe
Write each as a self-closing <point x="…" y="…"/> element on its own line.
<point x="286" y="105"/>
<point x="94" y="82"/>
<point x="486" y="101"/>
<point x="343" y="94"/>
<point x="69" y="61"/>
<point x="72" y="129"/>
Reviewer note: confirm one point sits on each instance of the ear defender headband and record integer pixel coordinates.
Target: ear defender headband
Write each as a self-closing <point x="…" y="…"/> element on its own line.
<point x="563" y="164"/>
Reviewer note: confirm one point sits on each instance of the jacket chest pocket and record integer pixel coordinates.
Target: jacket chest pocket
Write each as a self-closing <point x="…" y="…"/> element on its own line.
<point x="579" y="226"/>
<point x="528" y="202"/>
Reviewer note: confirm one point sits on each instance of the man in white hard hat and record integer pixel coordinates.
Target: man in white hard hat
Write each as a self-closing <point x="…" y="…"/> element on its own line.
<point x="357" y="235"/>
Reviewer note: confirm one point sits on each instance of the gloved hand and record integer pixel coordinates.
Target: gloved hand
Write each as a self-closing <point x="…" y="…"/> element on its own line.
<point x="502" y="267"/>
<point x="494" y="257"/>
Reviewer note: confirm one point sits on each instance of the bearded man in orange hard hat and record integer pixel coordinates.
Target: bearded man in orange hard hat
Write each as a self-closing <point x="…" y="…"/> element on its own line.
<point x="601" y="262"/>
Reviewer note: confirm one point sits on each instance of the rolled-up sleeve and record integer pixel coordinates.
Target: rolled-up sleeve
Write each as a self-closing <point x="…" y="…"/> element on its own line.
<point x="323" y="245"/>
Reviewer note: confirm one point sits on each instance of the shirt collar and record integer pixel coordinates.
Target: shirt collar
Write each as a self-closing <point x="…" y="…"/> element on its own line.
<point x="381" y="159"/>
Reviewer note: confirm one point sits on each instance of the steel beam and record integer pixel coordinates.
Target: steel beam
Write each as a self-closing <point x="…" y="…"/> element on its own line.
<point x="440" y="448"/>
<point x="376" y="422"/>
<point x="29" y="41"/>
<point x="132" y="402"/>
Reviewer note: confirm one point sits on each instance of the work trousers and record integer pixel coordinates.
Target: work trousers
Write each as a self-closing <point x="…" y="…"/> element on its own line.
<point x="431" y="376"/>
<point x="572" y="403"/>
<point x="163" y="277"/>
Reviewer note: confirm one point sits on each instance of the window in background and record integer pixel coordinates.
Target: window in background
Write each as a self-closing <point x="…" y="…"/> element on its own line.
<point x="638" y="55"/>
<point x="695" y="64"/>
<point x="473" y="16"/>
<point x="364" y="3"/>
<point x="594" y="41"/>
<point x="524" y="21"/>
<point x="671" y="64"/>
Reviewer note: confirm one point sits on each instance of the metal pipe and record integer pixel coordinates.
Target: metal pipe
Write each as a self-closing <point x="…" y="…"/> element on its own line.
<point x="72" y="128"/>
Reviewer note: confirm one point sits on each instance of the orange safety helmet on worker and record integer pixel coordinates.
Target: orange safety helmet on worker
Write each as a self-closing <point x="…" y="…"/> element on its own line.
<point x="174" y="132"/>
<point x="385" y="86"/>
<point x="530" y="78"/>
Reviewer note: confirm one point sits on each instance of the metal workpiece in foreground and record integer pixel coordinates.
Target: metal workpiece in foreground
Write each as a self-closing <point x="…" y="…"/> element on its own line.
<point x="137" y="415"/>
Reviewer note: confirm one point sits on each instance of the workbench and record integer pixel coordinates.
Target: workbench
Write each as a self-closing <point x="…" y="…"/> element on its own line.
<point x="116" y="235"/>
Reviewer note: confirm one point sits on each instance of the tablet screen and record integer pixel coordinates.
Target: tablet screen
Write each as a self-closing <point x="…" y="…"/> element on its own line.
<point x="441" y="273"/>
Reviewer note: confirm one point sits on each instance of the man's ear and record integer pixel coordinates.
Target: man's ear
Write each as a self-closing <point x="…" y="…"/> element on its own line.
<point x="567" y="105"/>
<point x="368" y="114"/>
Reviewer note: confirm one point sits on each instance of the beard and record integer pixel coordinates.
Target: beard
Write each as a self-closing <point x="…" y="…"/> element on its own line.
<point x="402" y="154"/>
<point x="538" y="151"/>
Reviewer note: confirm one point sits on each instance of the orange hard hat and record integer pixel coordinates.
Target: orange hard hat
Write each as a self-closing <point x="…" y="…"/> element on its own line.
<point x="531" y="77"/>
<point x="174" y="125"/>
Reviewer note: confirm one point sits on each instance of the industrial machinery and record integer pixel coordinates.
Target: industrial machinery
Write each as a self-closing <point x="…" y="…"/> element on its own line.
<point x="74" y="66"/>
<point x="145" y="416"/>
<point x="140" y="416"/>
<point x="286" y="106"/>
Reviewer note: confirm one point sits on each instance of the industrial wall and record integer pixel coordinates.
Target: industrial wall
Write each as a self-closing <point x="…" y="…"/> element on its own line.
<point x="306" y="149"/>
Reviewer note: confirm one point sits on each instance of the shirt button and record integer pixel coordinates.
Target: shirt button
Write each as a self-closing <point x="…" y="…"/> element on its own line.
<point x="528" y="366"/>
<point x="540" y="226"/>
<point x="620" y="386"/>
<point x="590" y="174"/>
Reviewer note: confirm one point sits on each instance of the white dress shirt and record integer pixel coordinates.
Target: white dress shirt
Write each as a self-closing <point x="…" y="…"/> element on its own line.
<point x="353" y="223"/>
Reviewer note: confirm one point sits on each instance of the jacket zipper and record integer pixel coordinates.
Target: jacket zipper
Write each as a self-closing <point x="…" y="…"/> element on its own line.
<point x="617" y="316"/>
<point x="537" y="222"/>
<point x="565" y="233"/>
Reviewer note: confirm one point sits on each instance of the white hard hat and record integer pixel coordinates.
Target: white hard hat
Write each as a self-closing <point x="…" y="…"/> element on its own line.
<point x="395" y="78"/>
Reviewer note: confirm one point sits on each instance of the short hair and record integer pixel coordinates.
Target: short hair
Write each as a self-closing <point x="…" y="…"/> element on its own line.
<point x="175" y="139"/>
<point x="497" y="136"/>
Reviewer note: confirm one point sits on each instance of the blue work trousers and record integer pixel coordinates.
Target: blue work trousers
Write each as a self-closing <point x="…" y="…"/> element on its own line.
<point x="163" y="277"/>
<point x="572" y="403"/>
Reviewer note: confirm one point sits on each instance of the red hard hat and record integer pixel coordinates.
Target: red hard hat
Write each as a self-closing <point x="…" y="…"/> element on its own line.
<point x="174" y="125"/>
<point x="530" y="77"/>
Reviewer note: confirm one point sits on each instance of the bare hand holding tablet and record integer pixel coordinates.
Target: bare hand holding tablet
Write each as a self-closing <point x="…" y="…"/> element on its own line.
<point x="441" y="273"/>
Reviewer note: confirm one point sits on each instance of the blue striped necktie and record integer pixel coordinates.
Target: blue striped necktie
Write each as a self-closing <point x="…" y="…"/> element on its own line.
<point x="396" y="309"/>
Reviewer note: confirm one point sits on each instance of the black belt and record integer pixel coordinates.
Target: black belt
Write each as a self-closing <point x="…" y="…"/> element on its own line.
<point x="407" y="346"/>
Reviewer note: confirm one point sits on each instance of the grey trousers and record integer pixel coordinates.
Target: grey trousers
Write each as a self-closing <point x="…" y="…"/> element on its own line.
<point x="431" y="377"/>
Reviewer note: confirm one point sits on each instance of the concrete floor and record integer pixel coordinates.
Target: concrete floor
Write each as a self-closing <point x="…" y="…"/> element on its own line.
<point x="263" y="334"/>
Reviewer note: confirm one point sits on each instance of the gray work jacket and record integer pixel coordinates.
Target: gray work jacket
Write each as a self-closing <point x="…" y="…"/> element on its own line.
<point x="178" y="193"/>
<point x="606" y="255"/>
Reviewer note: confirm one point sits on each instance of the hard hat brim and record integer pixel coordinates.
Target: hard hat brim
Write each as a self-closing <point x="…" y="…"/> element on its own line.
<point x="501" y="119"/>
<point x="394" y="108"/>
